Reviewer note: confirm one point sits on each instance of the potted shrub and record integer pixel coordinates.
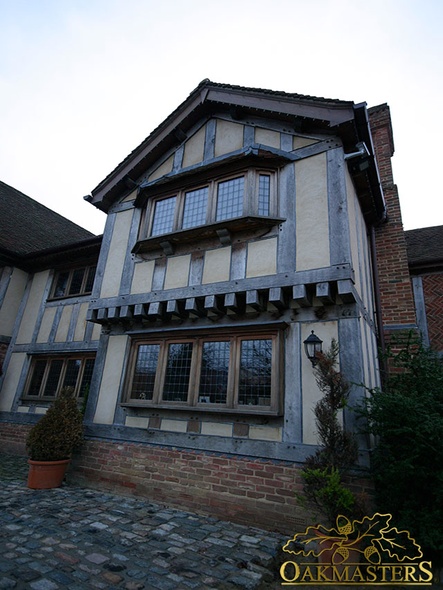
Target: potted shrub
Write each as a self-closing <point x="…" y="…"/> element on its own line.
<point x="51" y="441"/>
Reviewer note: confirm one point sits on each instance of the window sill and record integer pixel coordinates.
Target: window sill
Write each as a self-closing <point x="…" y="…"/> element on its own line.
<point x="251" y="410"/>
<point x="221" y="230"/>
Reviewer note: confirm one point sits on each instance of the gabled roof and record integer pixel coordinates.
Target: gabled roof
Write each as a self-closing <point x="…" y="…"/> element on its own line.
<point x="28" y="228"/>
<point x="300" y="112"/>
<point x="425" y="247"/>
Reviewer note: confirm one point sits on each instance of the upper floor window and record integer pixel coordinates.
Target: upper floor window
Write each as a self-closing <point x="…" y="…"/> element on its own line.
<point x="76" y="281"/>
<point x="248" y="193"/>
<point x="232" y="371"/>
<point x="50" y="374"/>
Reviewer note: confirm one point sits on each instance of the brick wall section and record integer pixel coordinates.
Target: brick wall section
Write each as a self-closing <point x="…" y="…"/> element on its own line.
<point x="395" y="285"/>
<point x="433" y="294"/>
<point x="13" y="438"/>
<point x="239" y="489"/>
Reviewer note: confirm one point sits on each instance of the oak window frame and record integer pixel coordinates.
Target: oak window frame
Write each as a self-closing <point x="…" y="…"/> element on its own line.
<point x="250" y="205"/>
<point x="45" y="365"/>
<point x="64" y="281"/>
<point x="196" y="398"/>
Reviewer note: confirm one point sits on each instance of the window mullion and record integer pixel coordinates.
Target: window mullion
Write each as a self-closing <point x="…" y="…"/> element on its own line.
<point x="250" y="197"/>
<point x="234" y="366"/>
<point x="45" y="378"/>
<point x="179" y="208"/>
<point x="194" y="377"/>
<point x="212" y="202"/>
<point x="160" y="374"/>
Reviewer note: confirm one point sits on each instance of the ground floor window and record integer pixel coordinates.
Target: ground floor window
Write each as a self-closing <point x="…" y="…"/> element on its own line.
<point x="49" y="374"/>
<point x="238" y="371"/>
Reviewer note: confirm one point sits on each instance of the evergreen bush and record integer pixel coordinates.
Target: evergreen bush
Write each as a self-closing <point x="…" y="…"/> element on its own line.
<point x="58" y="432"/>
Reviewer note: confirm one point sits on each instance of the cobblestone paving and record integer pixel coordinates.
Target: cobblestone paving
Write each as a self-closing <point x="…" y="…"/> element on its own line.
<point x="79" y="538"/>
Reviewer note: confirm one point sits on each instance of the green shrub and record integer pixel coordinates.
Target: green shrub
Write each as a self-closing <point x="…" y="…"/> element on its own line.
<point x="58" y="432"/>
<point x="406" y="418"/>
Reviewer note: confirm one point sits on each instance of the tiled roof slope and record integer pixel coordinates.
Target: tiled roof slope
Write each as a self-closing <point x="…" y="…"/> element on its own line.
<point x="27" y="227"/>
<point x="425" y="245"/>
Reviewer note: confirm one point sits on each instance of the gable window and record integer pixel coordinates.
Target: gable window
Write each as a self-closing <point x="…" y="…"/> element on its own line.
<point x="76" y="281"/>
<point x="237" y="372"/>
<point x="49" y="374"/>
<point x="249" y="193"/>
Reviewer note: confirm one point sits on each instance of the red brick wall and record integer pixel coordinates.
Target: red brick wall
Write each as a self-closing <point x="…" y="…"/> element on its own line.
<point x="13" y="438"/>
<point x="433" y="294"/>
<point x="397" y="301"/>
<point x="240" y="489"/>
<point x="244" y="490"/>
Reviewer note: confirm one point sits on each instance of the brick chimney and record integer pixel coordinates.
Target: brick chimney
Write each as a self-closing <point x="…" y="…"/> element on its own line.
<point x="397" y="302"/>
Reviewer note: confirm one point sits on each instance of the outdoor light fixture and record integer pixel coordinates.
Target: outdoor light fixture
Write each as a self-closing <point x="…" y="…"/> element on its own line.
<point x="312" y="347"/>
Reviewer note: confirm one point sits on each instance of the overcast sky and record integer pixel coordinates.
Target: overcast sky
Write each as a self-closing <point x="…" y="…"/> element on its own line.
<point x="83" y="82"/>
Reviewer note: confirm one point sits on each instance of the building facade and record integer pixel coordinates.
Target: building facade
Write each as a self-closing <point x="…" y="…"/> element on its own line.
<point x="248" y="220"/>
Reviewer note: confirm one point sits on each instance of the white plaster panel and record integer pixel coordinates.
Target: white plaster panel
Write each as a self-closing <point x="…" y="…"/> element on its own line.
<point x="12" y="300"/>
<point x="136" y="421"/>
<point x="194" y="149"/>
<point x="273" y="433"/>
<point x="177" y="272"/>
<point x="216" y="429"/>
<point x="262" y="258"/>
<point x="301" y="142"/>
<point x="142" y="279"/>
<point x="96" y="332"/>
<point x="109" y="387"/>
<point x="117" y="253"/>
<point x="46" y="324"/>
<point x="312" y="220"/>
<point x="163" y="169"/>
<point x="228" y="138"/>
<point x="174" y="425"/>
<point x="131" y="197"/>
<point x="311" y="394"/>
<point x="30" y="314"/>
<point x="23" y="409"/>
<point x="267" y="137"/>
<point x="41" y="410"/>
<point x="11" y="380"/>
<point x="63" y="326"/>
<point x="80" y="327"/>
<point x="217" y="265"/>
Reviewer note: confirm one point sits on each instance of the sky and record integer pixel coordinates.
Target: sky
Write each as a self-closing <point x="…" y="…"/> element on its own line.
<point x="84" y="82"/>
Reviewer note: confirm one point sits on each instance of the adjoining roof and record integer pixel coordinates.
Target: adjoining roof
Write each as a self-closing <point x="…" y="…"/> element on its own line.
<point x="425" y="247"/>
<point x="27" y="227"/>
<point x="295" y="109"/>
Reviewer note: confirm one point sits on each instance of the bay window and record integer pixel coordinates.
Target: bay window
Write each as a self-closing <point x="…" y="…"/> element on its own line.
<point x="249" y="193"/>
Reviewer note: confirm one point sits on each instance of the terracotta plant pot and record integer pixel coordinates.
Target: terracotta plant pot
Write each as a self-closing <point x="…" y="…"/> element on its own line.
<point x="44" y="475"/>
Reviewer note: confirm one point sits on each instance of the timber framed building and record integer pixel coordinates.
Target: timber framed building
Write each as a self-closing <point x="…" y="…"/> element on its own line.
<point x="248" y="219"/>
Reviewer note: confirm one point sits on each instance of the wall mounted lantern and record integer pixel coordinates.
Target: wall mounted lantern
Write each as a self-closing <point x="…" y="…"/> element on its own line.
<point x="313" y="345"/>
